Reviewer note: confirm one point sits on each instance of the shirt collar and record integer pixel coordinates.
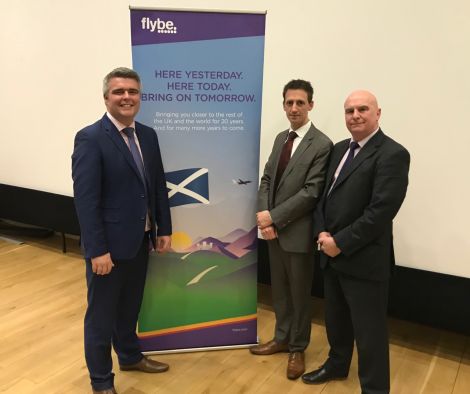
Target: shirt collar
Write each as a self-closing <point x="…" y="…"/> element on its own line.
<point x="301" y="131"/>
<point x="366" y="140"/>
<point x="118" y="124"/>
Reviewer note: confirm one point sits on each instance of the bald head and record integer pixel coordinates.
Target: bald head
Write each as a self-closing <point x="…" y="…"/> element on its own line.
<point x="362" y="114"/>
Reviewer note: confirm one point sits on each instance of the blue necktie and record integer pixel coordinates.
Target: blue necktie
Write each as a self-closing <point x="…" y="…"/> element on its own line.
<point x="129" y="131"/>
<point x="352" y="147"/>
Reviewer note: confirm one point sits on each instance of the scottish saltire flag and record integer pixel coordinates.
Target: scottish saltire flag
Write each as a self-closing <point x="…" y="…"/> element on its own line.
<point x="188" y="186"/>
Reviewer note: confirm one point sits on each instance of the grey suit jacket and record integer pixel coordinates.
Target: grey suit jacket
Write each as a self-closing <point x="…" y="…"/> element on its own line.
<point x="298" y="191"/>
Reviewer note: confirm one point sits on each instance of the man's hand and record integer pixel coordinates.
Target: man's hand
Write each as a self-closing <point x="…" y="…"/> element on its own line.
<point x="268" y="233"/>
<point x="263" y="219"/>
<point x="102" y="265"/>
<point x="321" y="238"/>
<point x="327" y="244"/>
<point x="163" y="243"/>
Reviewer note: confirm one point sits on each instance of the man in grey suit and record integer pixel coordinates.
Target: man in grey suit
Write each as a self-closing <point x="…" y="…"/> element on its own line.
<point x="366" y="184"/>
<point x="291" y="185"/>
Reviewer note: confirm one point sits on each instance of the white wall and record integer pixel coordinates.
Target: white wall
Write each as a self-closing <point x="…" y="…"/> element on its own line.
<point x="413" y="54"/>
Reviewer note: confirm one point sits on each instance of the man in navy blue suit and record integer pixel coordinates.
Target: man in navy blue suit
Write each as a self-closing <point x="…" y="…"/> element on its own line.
<point x="122" y="204"/>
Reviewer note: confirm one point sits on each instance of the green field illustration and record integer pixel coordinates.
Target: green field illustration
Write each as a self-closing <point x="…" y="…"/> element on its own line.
<point x="197" y="287"/>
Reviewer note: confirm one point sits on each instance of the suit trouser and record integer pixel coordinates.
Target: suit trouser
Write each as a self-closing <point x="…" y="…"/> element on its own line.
<point x="357" y="309"/>
<point x="114" y="302"/>
<point x="291" y="284"/>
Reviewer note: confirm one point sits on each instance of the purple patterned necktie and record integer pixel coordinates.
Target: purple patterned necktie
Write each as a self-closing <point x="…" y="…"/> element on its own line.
<point x="129" y="131"/>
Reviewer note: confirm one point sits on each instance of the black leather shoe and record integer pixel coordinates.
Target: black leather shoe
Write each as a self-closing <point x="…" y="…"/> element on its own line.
<point x="322" y="375"/>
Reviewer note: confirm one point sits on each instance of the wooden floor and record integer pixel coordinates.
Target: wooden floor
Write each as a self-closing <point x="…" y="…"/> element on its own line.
<point x="42" y="303"/>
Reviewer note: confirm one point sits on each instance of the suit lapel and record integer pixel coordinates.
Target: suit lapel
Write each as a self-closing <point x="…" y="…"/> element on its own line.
<point x="336" y="157"/>
<point x="143" y="144"/>
<point x="369" y="149"/>
<point x="277" y="149"/>
<point x="304" y="144"/>
<point x="145" y="148"/>
<point x="113" y="133"/>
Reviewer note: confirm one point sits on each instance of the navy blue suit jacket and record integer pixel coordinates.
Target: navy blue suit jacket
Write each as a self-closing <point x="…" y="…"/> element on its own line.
<point x="110" y="196"/>
<point x="359" y="210"/>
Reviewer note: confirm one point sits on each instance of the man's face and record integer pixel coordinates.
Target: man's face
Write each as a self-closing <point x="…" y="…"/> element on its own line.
<point x="123" y="99"/>
<point x="362" y="114"/>
<point x="297" y="107"/>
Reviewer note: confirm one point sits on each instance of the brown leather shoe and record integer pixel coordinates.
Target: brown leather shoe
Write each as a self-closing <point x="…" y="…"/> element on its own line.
<point x="295" y="365"/>
<point x="268" y="348"/>
<point x="112" y="390"/>
<point x="146" y="365"/>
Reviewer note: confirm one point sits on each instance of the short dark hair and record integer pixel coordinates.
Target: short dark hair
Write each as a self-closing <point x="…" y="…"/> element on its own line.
<point x="120" y="72"/>
<point x="299" y="84"/>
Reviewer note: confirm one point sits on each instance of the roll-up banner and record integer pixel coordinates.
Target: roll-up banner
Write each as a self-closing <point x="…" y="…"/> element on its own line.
<point x="202" y="74"/>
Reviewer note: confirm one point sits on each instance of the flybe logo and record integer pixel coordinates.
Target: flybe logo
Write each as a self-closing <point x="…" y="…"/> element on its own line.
<point x="158" y="26"/>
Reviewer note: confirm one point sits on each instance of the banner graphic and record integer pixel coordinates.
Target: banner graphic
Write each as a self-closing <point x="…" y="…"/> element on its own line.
<point x="202" y="78"/>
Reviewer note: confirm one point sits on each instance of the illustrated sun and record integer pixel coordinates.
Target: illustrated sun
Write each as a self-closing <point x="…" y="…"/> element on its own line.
<point x="180" y="241"/>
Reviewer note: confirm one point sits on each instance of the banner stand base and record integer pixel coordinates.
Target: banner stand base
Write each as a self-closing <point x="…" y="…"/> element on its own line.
<point x="200" y="349"/>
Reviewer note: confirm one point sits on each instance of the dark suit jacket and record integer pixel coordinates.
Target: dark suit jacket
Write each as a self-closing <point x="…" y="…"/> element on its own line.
<point x="298" y="191"/>
<point x="360" y="208"/>
<point x="109" y="193"/>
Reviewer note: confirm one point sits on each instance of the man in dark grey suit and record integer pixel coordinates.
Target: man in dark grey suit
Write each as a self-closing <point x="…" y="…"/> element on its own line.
<point x="291" y="185"/>
<point x="366" y="184"/>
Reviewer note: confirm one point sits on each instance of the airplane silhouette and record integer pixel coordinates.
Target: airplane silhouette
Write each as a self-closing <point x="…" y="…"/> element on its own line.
<point x="240" y="182"/>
